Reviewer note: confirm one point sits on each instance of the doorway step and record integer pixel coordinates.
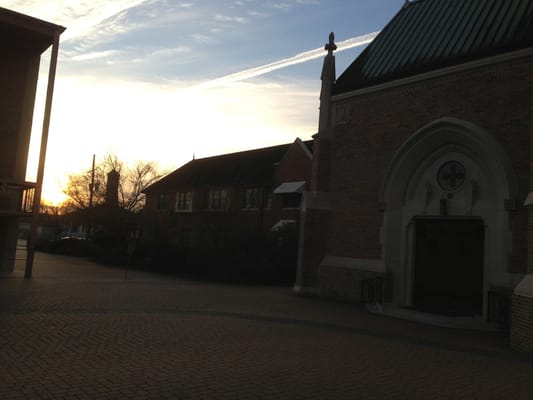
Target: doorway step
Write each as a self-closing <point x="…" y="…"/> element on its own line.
<point x="471" y="323"/>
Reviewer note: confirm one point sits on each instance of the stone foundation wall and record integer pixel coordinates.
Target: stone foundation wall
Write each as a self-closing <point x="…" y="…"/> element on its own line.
<point x="343" y="283"/>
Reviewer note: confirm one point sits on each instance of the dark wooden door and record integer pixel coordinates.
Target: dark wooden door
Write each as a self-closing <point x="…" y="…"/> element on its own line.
<point x="449" y="266"/>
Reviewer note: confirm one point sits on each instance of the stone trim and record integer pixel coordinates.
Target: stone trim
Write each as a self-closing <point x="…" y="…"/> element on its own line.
<point x="525" y="287"/>
<point x="315" y="200"/>
<point x="436" y="73"/>
<point x="529" y="200"/>
<point x="304" y="148"/>
<point x="305" y="290"/>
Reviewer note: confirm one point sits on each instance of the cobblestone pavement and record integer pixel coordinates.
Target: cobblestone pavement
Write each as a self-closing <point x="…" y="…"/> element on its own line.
<point x="80" y="331"/>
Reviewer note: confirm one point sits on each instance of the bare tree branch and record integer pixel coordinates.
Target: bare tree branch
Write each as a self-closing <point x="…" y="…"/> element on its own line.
<point x="131" y="184"/>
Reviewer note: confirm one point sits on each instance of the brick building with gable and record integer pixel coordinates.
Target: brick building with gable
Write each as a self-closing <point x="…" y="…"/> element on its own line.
<point x="209" y="201"/>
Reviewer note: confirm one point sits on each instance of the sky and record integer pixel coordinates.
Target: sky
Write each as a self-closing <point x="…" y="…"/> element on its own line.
<point x="169" y="80"/>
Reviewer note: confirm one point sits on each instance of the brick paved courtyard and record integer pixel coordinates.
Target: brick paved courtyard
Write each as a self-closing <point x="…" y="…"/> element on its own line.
<point x="79" y="331"/>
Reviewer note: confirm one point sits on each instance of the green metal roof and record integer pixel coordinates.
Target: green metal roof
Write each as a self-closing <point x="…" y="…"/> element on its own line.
<point x="430" y="34"/>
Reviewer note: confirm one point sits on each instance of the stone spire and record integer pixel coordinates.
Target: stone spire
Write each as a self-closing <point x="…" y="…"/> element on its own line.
<point x="328" y="78"/>
<point x="322" y="144"/>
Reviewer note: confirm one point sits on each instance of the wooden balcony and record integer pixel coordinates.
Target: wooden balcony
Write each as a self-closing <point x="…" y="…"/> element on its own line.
<point x="16" y="198"/>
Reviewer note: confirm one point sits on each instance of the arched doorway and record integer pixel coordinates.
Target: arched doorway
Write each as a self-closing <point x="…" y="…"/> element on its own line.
<point x="446" y="235"/>
<point x="448" y="265"/>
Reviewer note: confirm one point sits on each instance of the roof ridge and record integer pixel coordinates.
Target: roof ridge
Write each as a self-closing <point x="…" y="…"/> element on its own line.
<point x="408" y="3"/>
<point x="242" y="152"/>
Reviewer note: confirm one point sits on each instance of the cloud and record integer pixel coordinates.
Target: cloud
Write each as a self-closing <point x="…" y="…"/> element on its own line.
<point x="79" y="16"/>
<point x="260" y="14"/>
<point x="225" y="18"/>
<point x="94" y="55"/>
<point x="201" y="38"/>
<point x="179" y="50"/>
<point x="282" y="6"/>
<point x="297" y="59"/>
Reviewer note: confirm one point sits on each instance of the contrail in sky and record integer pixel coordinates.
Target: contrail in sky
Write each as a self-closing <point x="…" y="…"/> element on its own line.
<point x="297" y="59"/>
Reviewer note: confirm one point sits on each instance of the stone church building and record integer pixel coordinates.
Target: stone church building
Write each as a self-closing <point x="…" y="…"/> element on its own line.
<point x="422" y="188"/>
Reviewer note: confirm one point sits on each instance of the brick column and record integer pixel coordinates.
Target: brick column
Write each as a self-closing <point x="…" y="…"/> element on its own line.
<point x="315" y="205"/>
<point x="311" y="244"/>
<point x="521" y="330"/>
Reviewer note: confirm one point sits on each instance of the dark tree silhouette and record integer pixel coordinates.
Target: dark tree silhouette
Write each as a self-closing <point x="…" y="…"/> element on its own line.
<point x="131" y="184"/>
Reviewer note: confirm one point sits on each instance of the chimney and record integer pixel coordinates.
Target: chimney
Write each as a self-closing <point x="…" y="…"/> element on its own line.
<point x="111" y="190"/>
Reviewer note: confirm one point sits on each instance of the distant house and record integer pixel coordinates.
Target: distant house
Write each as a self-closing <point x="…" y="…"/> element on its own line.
<point x="23" y="40"/>
<point x="210" y="200"/>
<point x="421" y="195"/>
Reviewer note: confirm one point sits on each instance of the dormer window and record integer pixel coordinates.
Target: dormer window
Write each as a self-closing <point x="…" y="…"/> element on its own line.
<point x="291" y="193"/>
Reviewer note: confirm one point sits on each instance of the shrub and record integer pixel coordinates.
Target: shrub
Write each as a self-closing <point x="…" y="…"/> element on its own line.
<point x="71" y="247"/>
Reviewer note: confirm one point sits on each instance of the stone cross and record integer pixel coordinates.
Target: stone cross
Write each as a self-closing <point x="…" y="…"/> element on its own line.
<point x="331" y="46"/>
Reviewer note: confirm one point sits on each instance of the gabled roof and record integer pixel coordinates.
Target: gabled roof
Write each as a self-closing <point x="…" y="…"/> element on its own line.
<point x="252" y="167"/>
<point x="22" y="32"/>
<point x="430" y="34"/>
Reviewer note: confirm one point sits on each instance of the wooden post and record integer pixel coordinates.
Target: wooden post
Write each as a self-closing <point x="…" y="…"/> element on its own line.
<point x="42" y="158"/>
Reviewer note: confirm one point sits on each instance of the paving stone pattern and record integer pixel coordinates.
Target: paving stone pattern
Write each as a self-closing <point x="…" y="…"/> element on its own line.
<point x="79" y="331"/>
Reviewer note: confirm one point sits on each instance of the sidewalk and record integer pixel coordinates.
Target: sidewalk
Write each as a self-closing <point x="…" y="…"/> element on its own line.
<point x="79" y="331"/>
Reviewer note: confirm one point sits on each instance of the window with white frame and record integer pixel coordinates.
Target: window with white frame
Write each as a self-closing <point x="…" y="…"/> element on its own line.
<point x="184" y="201"/>
<point x="251" y="198"/>
<point x="218" y="199"/>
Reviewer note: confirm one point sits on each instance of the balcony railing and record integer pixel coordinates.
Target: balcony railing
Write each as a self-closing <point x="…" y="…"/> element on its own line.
<point x="16" y="198"/>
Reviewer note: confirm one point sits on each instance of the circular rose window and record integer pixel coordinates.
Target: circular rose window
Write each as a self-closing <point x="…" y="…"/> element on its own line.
<point x="451" y="175"/>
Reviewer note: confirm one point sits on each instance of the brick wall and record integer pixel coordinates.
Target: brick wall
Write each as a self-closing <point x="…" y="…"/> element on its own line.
<point x="522" y="323"/>
<point x="375" y="125"/>
<point x="295" y="165"/>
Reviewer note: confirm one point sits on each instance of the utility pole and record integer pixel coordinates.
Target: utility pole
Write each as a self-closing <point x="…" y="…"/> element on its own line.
<point x="88" y="232"/>
<point x="91" y="187"/>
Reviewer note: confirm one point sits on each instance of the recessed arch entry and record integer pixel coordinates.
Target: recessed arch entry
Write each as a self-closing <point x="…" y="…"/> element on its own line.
<point x="447" y="187"/>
